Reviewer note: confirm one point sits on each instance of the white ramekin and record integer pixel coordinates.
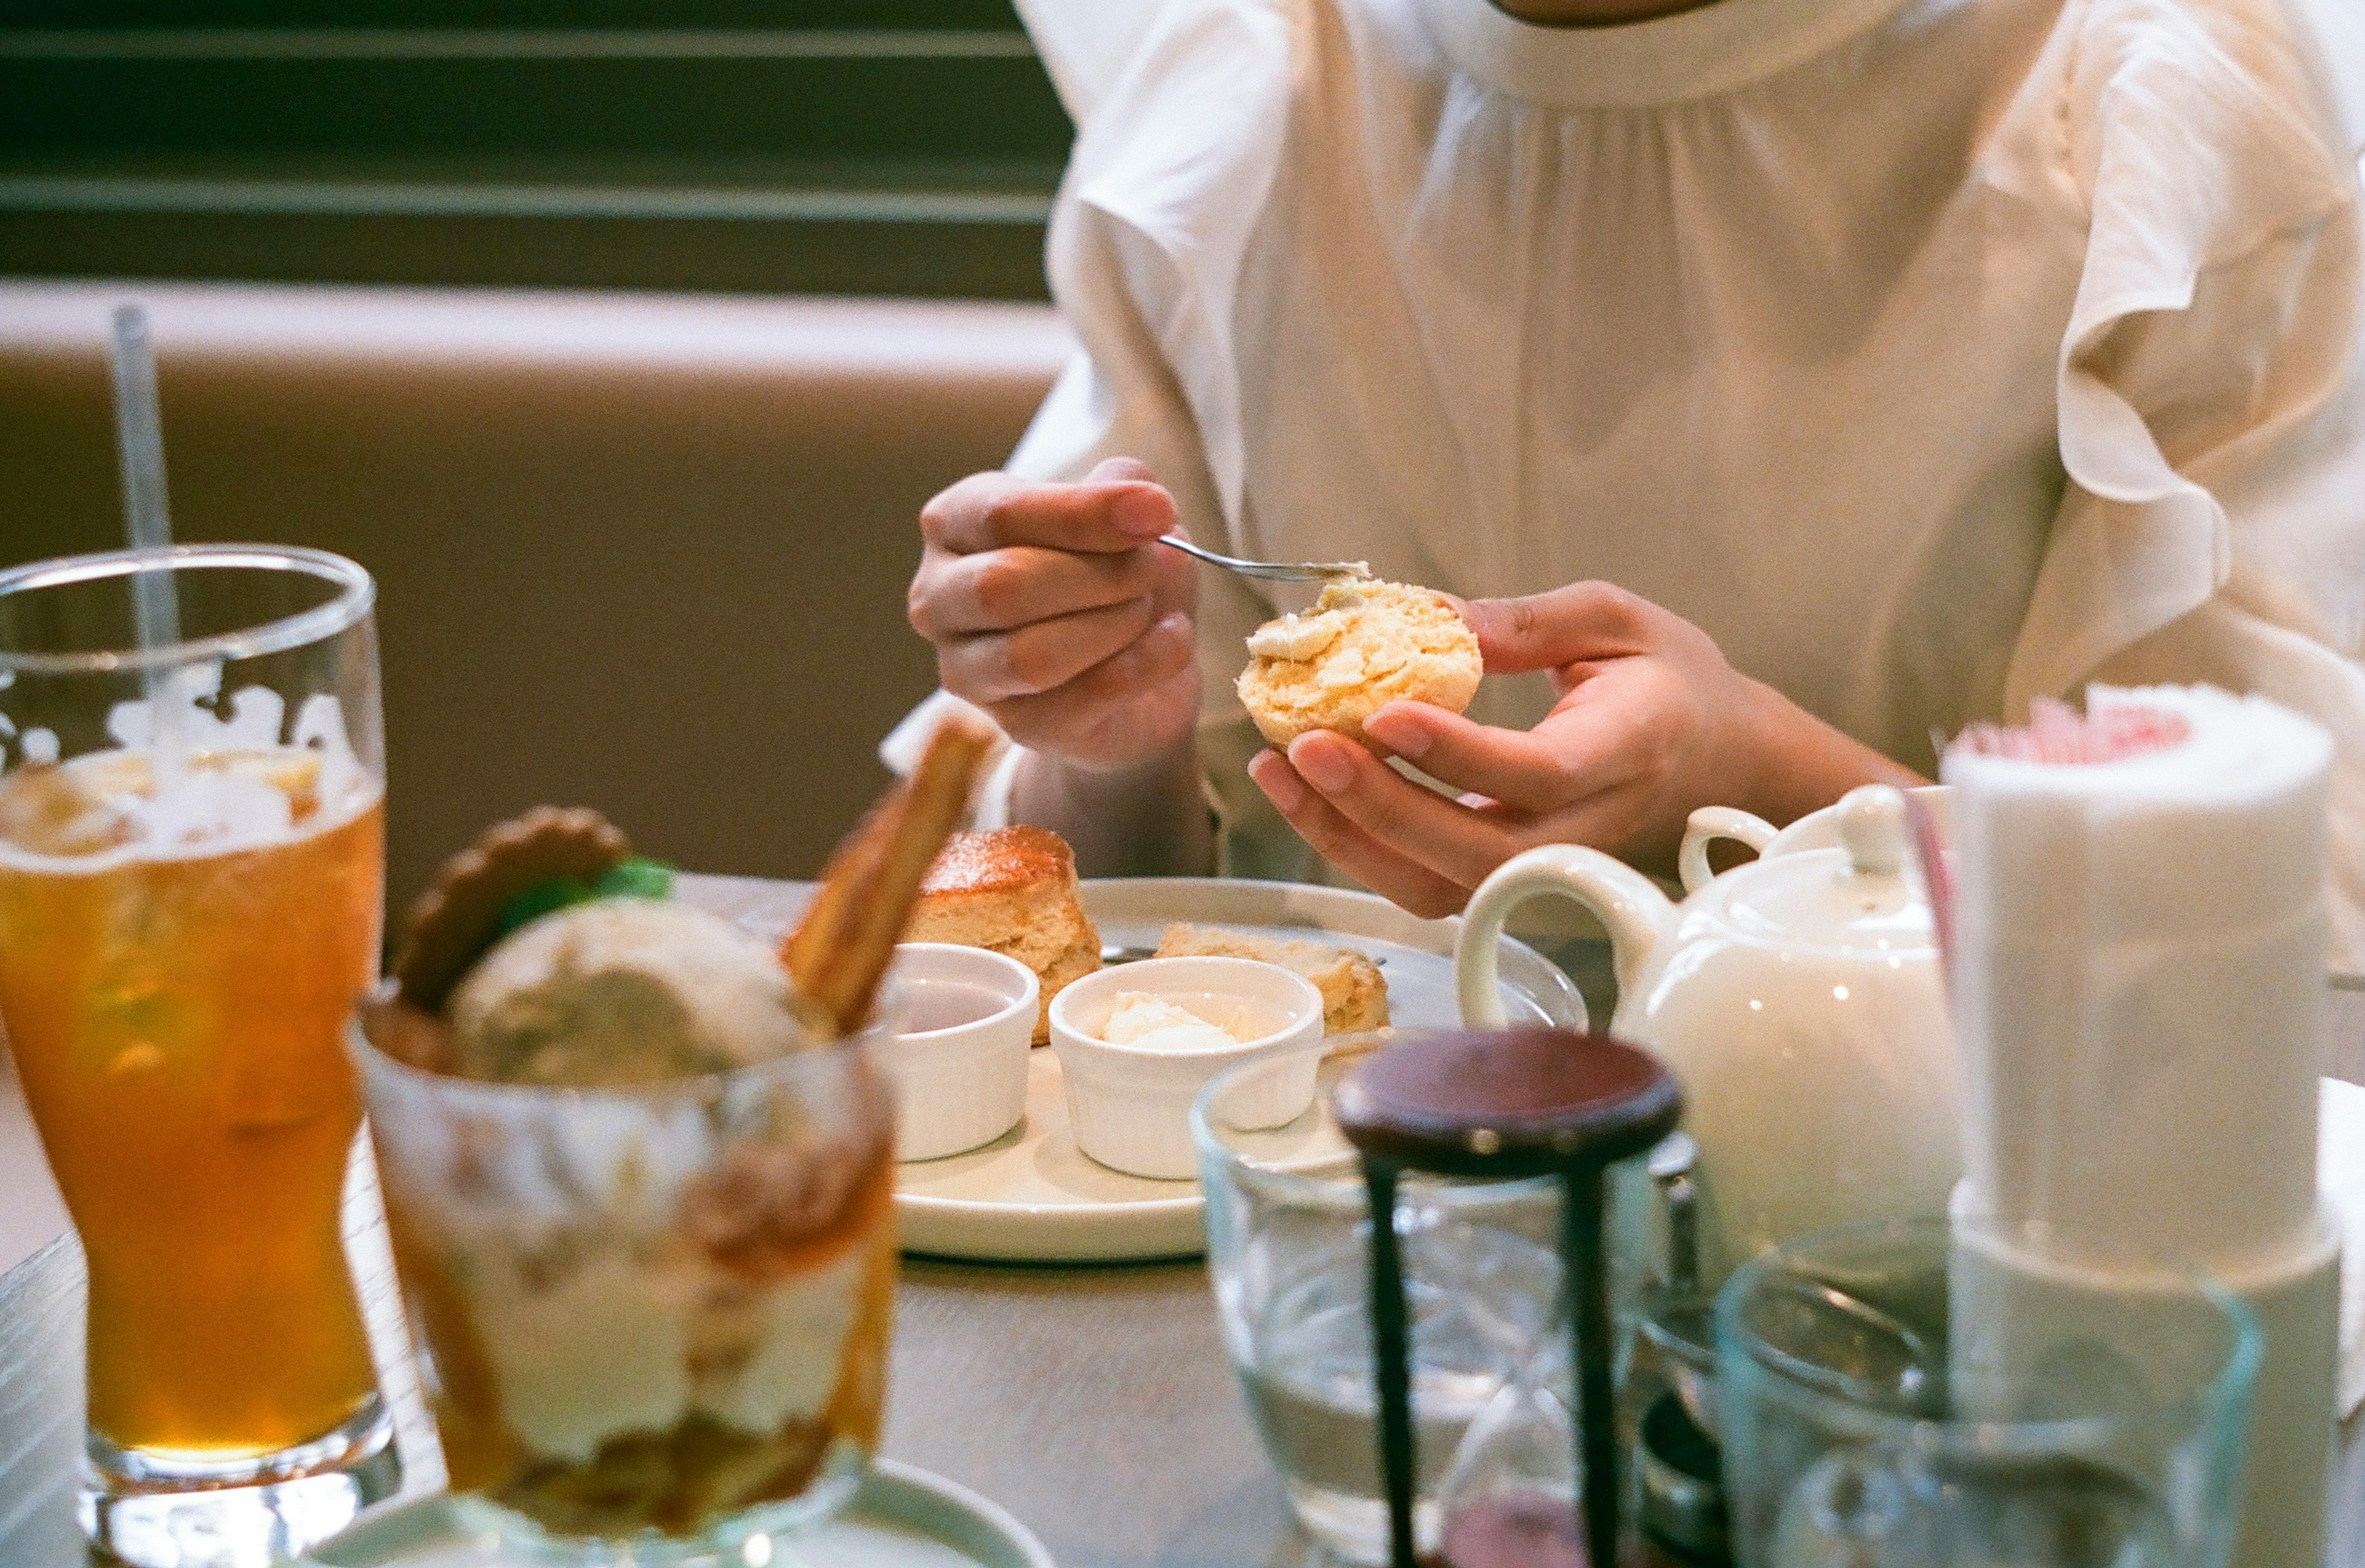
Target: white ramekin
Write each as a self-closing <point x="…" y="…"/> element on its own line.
<point x="1130" y="1107"/>
<point x="960" y="1087"/>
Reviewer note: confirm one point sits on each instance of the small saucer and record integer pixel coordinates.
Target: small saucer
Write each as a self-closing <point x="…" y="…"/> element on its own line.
<point x="901" y="1517"/>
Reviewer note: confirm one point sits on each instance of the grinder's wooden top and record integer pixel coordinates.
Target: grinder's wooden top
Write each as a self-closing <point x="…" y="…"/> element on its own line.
<point x="1507" y="1102"/>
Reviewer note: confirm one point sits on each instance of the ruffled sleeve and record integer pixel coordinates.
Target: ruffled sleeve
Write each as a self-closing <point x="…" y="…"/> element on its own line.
<point x="1180" y="109"/>
<point x="2333" y="32"/>
<point x="2212" y="392"/>
<point x="1086" y="45"/>
<point x="1171" y="173"/>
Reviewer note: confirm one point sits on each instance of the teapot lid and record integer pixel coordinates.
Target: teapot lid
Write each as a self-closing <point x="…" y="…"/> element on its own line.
<point x="1856" y="899"/>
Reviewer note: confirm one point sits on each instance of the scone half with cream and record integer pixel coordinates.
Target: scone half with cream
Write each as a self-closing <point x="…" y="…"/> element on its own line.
<point x="1365" y="644"/>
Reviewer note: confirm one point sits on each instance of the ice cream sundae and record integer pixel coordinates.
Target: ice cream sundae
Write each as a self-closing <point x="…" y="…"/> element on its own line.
<point x="641" y="1207"/>
<point x="620" y="991"/>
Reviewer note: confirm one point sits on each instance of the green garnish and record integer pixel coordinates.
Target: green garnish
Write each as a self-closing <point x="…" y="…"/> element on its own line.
<point x="633" y="877"/>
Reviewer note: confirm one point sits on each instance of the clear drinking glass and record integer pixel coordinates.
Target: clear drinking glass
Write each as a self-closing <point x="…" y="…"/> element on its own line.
<point x="191" y="875"/>
<point x="1855" y="1438"/>
<point x="653" y="1320"/>
<point x="1288" y="1242"/>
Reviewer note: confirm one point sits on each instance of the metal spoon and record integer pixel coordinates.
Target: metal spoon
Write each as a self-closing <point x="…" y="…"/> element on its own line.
<point x="1276" y="571"/>
<point x="1114" y="953"/>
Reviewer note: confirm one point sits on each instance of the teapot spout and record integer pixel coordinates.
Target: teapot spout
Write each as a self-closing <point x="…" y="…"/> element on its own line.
<point x="1628" y="903"/>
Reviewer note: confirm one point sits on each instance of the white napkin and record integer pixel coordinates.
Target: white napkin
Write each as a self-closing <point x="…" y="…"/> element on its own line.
<point x="2138" y="977"/>
<point x="2341" y="1177"/>
<point x="990" y="805"/>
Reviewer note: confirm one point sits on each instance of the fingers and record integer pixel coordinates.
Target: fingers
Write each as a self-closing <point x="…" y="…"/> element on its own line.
<point x="1110" y="469"/>
<point x="1442" y="837"/>
<point x="1570" y="755"/>
<point x="999" y="591"/>
<point x="1339" y="841"/>
<point x="1102" y="515"/>
<point x="1376" y="824"/>
<point x="1042" y="655"/>
<point x="1070" y="718"/>
<point x="1565" y="625"/>
<point x="1050" y="607"/>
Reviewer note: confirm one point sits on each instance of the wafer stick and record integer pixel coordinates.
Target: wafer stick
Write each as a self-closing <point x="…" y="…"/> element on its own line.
<point x="840" y="952"/>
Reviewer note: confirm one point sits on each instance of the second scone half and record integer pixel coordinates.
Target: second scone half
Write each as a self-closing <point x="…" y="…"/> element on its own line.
<point x="1011" y="890"/>
<point x="1365" y="645"/>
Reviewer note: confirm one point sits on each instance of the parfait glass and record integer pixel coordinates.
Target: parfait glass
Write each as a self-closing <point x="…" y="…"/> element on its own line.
<point x="191" y="876"/>
<point x="652" y="1319"/>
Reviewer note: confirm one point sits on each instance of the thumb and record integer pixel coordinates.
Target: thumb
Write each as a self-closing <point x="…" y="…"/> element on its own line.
<point x="1563" y="626"/>
<point x="1114" y="470"/>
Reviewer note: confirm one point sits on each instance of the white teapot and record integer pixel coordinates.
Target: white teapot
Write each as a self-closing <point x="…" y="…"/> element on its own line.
<point x="1816" y="830"/>
<point x="1799" y="999"/>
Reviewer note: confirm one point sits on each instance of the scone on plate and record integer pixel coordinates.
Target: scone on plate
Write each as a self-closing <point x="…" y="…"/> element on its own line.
<point x="1011" y="890"/>
<point x="1354" y="992"/>
<point x="1365" y="645"/>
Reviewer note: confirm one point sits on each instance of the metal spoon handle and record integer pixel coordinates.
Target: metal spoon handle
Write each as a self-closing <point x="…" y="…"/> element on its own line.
<point x="1276" y="571"/>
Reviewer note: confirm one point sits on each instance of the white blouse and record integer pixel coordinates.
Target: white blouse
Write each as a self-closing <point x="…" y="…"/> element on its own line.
<point x="1932" y="355"/>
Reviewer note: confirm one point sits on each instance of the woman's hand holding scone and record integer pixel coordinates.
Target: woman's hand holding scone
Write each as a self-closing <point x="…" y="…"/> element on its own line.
<point x="1651" y="723"/>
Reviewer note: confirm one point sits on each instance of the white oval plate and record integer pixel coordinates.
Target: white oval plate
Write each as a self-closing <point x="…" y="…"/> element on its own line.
<point x="902" y="1518"/>
<point x="1033" y="1197"/>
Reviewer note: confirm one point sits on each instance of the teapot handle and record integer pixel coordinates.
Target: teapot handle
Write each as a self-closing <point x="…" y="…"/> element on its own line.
<point x="1629" y="904"/>
<point x="1706" y="826"/>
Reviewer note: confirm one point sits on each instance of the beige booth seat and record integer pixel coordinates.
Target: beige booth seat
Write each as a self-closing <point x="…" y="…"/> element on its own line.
<point x="644" y="553"/>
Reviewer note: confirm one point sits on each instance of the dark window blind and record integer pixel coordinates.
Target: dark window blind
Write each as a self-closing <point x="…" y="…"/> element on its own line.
<point x="840" y="146"/>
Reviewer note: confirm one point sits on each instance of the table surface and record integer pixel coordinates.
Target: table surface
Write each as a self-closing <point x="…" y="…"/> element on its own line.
<point x="1094" y="1403"/>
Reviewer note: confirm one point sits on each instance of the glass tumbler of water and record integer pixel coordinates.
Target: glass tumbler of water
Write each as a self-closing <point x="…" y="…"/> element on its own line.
<point x="1884" y="1405"/>
<point x="1288" y="1239"/>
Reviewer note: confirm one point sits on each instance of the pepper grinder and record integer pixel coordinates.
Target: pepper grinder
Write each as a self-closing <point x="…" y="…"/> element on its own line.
<point x="1503" y="1105"/>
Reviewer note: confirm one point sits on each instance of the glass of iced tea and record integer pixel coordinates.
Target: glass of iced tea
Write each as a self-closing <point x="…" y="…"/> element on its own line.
<point x="191" y="867"/>
<point x="653" y="1318"/>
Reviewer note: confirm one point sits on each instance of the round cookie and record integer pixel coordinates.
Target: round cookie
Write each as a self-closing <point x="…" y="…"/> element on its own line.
<point x="1363" y="645"/>
<point x="452" y="924"/>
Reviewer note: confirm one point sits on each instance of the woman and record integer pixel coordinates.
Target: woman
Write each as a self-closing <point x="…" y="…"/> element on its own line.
<point x="1787" y="381"/>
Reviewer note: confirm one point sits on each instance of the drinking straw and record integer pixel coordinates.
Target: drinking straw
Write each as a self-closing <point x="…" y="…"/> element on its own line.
<point x="139" y="442"/>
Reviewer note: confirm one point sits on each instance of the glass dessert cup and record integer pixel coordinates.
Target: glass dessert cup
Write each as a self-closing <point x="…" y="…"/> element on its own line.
<point x="653" y="1320"/>
<point x="191" y="872"/>
<point x="1870" y="1421"/>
